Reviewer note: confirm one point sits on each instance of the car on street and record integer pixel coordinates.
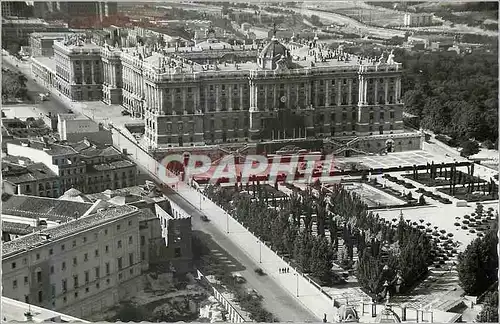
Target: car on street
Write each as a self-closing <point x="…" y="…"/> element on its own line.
<point x="205" y="218"/>
<point x="239" y="278"/>
<point x="125" y="113"/>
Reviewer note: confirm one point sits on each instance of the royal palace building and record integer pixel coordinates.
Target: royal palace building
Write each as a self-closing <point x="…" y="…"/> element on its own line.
<point x="214" y="92"/>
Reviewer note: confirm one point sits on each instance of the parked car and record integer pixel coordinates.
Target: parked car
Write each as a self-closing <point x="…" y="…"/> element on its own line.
<point x="125" y="113"/>
<point x="239" y="278"/>
<point x="205" y="218"/>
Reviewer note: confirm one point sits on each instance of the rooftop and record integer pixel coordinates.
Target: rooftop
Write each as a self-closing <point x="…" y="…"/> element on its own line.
<point x="17" y="228"/>
<point x="139" y="192"/>
<point x="17" y="174"/>
<point x="51" y="35"/>
<point x="48" y="62"/>
<point x="34" y="240"/>
<point x="42" y="207"/>
<point x="13" y="310"/>
<point x="112" y="165"/>
<point x="24" y="21"/>
<point x="88" y="149"/>
<point x="50" y="149"/>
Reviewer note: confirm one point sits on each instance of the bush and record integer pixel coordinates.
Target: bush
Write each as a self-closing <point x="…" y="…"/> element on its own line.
<point x="488" y="144"/>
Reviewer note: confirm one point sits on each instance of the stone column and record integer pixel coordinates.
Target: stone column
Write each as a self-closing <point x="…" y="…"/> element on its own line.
<point x="172" y="102"/>
<point x="184" y="97"/>
<point x="349" y="99"/>
<point x="83" y="72"/>
<point x="288" y="95"/>
<point x="366" y="91"/>
<point x="339" y="93"/>
<point x="217" y="94"/>
<point x="275" y="96"/>
<point x="376" y="91"/>
<point x="205" y="109"/>
<point x="162" y="107"/>
<point x="266" y="100"/>
<point x="398" y="90"/>
<point x="386" y="88"/>
<point x="309" y="94"/>
<point x="241" y="97"/>
<point x="327" y="93"/>
<point x="196" y="98"/>
<point x="230" y="98"/>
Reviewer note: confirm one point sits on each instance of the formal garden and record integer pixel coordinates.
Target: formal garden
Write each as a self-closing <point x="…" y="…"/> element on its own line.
<point x="458" y="184"/>
<point x="313" y="228"/>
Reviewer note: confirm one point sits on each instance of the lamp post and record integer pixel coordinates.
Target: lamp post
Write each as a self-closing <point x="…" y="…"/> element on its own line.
<point x="297" y="283"/>
<point x="227" y="222"/>
<point x="260" y="251"/>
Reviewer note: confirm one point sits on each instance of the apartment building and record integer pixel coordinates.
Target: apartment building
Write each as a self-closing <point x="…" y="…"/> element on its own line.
<point x="165" y="229"/>
<point x="22" y="215"/>
<point x="417" y="19"/>
<point x="28" y="178"/>
<point x="80" y="165"/>
<point x="90" y="261"/>
<point x="78" y="268"/>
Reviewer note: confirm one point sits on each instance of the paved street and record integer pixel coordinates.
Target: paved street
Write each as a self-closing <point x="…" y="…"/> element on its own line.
<point x="54" y="105"/>
<point x="276" y="299"/>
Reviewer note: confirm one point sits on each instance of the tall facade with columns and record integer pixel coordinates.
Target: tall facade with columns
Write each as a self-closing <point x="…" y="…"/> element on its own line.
<point x="78" y="69"/>
<point x="213" y="93"/>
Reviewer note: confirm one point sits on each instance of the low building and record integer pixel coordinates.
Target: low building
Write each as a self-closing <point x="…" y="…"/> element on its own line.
<point x="42" y="43"/>
<point x="30" y="178"/>
<point x="82" y="165"/>
<point x="417" y="19"/>
<point x="74" y="128"/>
<point x="44" y="69"/>
<point x="18" y="30"/>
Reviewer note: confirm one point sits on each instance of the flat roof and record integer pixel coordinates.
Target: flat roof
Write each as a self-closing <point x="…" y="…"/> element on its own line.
<point x="43" y="207"/>
<point x="13" y="310"/>
<point x="47" y="62"/>
<point x="34" y="240"/>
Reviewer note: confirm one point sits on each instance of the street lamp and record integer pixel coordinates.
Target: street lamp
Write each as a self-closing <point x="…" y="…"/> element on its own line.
<point x="260" y="251"/>
<point x="296" y="274"/>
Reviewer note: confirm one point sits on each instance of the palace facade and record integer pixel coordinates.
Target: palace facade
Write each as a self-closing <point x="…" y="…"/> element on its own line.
<point x="214" y="93"/>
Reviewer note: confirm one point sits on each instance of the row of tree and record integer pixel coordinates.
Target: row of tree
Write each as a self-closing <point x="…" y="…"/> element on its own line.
<point x="288" y="228"/>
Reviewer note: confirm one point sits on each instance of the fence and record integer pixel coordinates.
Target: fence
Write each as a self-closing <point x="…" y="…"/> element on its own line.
<point x="233" y="315"/>
<point x="310" y="294"/>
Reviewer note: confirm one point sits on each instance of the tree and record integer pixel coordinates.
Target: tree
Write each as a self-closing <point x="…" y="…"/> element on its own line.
<point x="421" y="200"/>
<point x="469" y="148"/>
<point x="129" y="312"/>
<point x="489" y="313"/>
<point x="478" y="264"/>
